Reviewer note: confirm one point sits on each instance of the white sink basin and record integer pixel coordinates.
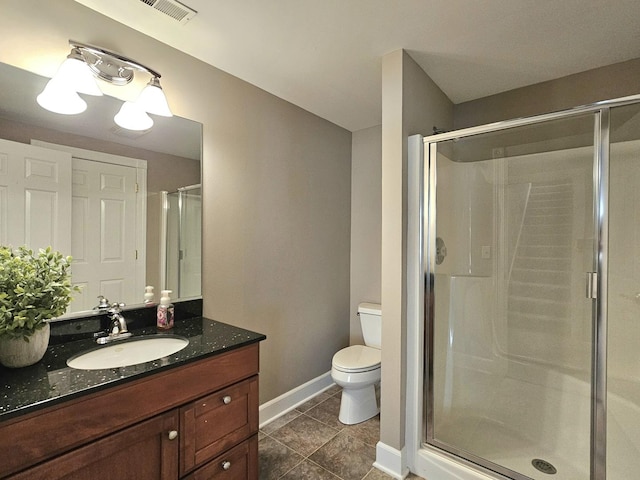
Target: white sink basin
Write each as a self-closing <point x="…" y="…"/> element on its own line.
<point x="128" y="352"/>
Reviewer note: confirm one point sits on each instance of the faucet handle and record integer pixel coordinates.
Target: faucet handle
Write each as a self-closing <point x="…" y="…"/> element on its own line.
<point x="103" y="303"/>
<point x="116" y="307"/>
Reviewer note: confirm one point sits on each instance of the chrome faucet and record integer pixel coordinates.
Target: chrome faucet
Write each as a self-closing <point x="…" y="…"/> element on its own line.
<point x="117" y="325"/>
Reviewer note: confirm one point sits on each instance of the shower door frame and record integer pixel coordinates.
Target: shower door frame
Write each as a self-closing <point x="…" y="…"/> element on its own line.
<point x="164" y="267"/>
<point x="421" y="309"/>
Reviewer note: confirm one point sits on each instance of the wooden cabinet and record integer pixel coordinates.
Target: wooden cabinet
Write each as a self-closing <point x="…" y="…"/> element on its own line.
<point x="148" y="450"/>
<point x="199" y="420"/>
<point x="216" y="422"/>
<point x="239" y="463"/>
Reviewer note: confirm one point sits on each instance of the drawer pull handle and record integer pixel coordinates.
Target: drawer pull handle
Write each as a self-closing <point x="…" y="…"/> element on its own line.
<point x="226" y="399"/>
<point x="173" y="434"/>
<point x="226" y="465"/>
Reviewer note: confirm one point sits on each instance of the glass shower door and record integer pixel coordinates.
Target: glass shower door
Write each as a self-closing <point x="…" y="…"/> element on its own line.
<point x="623" y="299"/>
<point x="183" y="251"/>
<point x="190" y="242"/>
<point x="511" y="229"/>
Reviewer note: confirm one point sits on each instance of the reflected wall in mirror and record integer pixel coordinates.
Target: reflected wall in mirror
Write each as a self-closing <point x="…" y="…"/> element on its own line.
<point x="126" y="205"/>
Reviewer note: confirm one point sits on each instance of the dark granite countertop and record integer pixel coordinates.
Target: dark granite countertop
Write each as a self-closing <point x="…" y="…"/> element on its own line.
<point x="51" y="381"/>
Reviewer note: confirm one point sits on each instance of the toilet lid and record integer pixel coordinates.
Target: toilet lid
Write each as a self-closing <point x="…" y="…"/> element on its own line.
<point x="357" y="358"/>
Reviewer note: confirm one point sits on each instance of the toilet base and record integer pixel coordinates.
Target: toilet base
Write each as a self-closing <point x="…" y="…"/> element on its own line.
<point x="358" y="405"/>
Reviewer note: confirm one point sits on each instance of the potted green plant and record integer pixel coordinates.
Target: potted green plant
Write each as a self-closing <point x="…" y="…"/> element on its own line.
<point x="34" y="288"/>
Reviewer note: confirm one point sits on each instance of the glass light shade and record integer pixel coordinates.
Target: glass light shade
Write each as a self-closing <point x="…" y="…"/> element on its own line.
<point x="78" y="76"/>
<point x="132" y="117"/>
<point x="152" y="99"/>
<point x="57" y="97"/>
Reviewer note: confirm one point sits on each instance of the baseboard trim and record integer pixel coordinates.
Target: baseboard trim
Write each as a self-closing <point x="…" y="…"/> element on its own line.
<point x="286" y="402"/>
<point x="390" y="461"/>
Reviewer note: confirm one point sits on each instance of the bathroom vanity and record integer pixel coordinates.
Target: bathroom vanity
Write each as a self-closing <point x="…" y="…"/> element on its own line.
<point x="191" y="415"/>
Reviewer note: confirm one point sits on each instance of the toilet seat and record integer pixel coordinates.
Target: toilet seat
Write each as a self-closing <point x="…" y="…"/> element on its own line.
<point x="356" y="359"/>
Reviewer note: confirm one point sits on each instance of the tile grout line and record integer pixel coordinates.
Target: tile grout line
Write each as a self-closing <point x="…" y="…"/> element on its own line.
<point x="288" y="448"/>
<point x="306" y="457"/>
<point x="349" y="432"/>
<point x="328" y="471"/>
<point x="291" y="469"/>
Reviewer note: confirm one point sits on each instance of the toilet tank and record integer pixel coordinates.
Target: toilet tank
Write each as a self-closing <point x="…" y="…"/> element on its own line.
<point x="371" y="322"/>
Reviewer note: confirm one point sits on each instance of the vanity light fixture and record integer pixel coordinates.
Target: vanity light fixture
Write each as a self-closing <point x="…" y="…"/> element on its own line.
<point x="60" y="95"/>
<point x="78" y="74"/>
<point x="132" y="117"/>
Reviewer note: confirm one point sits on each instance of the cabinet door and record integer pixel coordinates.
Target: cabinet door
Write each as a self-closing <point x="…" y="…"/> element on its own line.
<point x="217" y="422"/>
<point x="148" y="450"/>
<point x="239" y="463"/>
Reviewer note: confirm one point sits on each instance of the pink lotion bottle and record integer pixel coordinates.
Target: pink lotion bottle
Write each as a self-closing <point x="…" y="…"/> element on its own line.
<point x="165" y="311"/>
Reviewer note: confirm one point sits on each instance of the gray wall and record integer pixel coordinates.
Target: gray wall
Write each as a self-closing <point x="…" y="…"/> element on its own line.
<point x="366" y="222"/>
<point x="277" y="234"/>
<point x="276" y="190"/>
<point x="411" y="103"/>
<point x="613" y="81"/>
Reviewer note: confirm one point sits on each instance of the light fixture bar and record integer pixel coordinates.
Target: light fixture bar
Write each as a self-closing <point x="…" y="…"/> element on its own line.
<point x="78" y="74"/>
<point x="110" y="66"/>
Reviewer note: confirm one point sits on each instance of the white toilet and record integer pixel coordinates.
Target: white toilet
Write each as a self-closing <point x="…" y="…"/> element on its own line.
<point x="357" y="369"/>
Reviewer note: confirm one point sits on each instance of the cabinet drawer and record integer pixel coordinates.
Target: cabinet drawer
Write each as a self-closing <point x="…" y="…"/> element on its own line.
<point x="216" y="422"/>
<point x="239" y="463"/>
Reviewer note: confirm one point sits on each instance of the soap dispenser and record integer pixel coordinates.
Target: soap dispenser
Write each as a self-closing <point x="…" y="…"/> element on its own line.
<point x="165" y="311"/>
<point x="148" y="295"/>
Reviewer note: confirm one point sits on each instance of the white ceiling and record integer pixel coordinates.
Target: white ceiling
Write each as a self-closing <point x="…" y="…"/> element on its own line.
<point x="325" y="55"/>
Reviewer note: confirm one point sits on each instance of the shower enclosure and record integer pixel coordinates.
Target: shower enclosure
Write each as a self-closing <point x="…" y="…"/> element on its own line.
<point x="524" y="297"/>
<point x="181" y="255"/>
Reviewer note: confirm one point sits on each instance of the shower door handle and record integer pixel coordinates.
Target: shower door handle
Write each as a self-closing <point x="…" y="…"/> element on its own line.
<point x="592" y="285"/>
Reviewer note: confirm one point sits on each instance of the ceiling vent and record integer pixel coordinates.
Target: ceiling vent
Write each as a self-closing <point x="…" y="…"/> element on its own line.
<point x="176" y="10"/>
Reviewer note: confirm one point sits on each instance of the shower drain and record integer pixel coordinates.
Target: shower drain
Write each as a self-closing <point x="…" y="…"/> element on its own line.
<point x="543" y="466"/>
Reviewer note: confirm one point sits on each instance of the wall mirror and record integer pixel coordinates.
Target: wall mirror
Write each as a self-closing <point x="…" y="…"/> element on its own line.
<point x="126" y="205"/>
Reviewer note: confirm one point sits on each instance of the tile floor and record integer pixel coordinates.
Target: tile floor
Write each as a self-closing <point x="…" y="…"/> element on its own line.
<point x="310" y="443"/>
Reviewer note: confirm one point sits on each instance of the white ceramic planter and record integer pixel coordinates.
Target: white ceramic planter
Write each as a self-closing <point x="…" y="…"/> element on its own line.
<point x="16" y="353"/>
